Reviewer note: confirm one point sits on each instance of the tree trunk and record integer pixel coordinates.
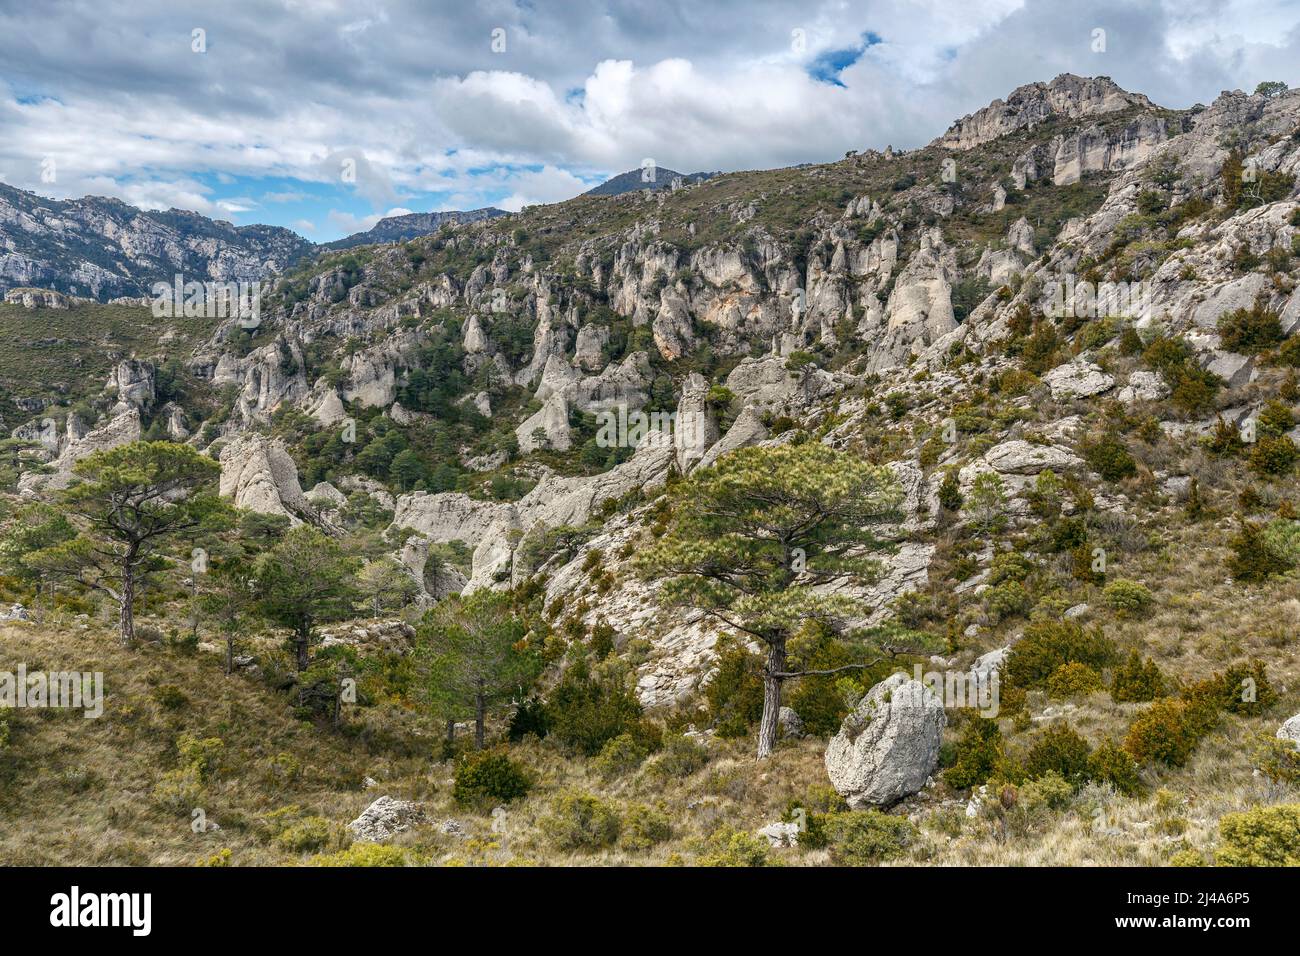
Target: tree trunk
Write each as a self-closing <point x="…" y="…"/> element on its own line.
<point x="769" y="725"/>
<point x="451" y="731"/>
<point x="126" y="611"/>
<point x="301" y="641"/>
<point x="230" y="654"/>
<point x="480" y="706"/>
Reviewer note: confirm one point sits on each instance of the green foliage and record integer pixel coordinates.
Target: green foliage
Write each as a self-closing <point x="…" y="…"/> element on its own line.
<point x="305" y="836"/>
<point x="1137" y="680"/>
<point x="580" y="821"/>
<point x="1112" y="764"/>
<point x="471" y="655"/>
<point x="950" y="498"/>
<point x="681" y="756"/>
<point x="364" y="855"/>
<point x="735" y="695"/>
<point x="643" y="827"/>
<point x="585" y="712"/>
<point x="732" y="848"/>
<point x="866" y="837"/>
<point x="1260" y="836"/>
<point x="529" y="718"/>
<point x="1125" y="596"/>
<point x="1168" y="731"/>
<point x="1193" y="388"/>
<point x="986" y="504"/>
<point x="1278" y="758"/>
<point x="978" y="754"/>
<point x="488" y="776"/>
<point x="1073" y="680"/>
<point x="1062" y="751"/>
<point x="1109" y="457"/>
<point x="1048" y="644"/>
<point x="1273" y="455"/>
<point x="1250" y="330"/>
<point x="305" y="578"/>
<point x="1254" y="556"/>
<point x="620" y="756"/>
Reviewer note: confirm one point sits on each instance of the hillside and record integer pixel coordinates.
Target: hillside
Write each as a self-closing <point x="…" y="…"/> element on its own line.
<point x="1054" y="348"/>
<point x="410" y="226"/>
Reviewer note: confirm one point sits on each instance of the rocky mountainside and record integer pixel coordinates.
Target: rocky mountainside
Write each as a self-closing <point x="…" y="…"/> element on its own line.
<point x="399" y="228"/>
<point x="104" y="249"/>
<point x="1064" y="327"/>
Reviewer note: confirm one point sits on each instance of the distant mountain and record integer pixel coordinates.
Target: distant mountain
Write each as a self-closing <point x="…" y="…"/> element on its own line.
<point x="410" y="226"/>
<point x="634" y="179"/>
<point x="103" y="248"/>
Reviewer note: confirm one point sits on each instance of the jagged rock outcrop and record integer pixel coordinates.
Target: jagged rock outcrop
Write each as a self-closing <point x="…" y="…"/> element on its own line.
<point x="889" y="745"/>
<point x="121" y="429"/>
<point x="1067" y="96"/>
<point x="259" y="474"/>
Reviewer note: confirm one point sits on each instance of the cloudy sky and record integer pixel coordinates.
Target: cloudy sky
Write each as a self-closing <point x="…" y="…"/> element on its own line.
<point x="324" y="115"/>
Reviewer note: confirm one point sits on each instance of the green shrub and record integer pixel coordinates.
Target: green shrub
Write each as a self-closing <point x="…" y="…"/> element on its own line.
<point x="643" y="827"/>
<point x="1126" y="596"/>
<point x="1108" y="457"/>
<point x="864" y="837"/>
<point x="1047" y="644"/>
<point x="729" y="847"/>
<point x="978" y="753"/>
<point x="1137" y="680"/>
<point x="1273" y="455"/>
<point x="1252" y="558"/>
<point x="1051" y="791"/>
<point x="1073" y="680"/>
<point x="1061" y="751"/>
<point x="620" y="756"/>
<point x="202" y="755"/>
<point x="305" y="836"/>
<point x="529" y="718"/>
<point x="1242" y="689"/>
<point x="488" y="776"/>
<point x="1261" y="836"/>
<point x="681" y="757"/>
<point x="950" y="491"/>
<point x="579" y="821"/>
<point x="1250" y="330"/>
<point x="1278" y="759"/>
<point x="586" y="712"/>
<point x="363" y="854"/>
<point x="1112" y="764"/>
<point x="170" y="697"/>
<point x="1168" y="731"/>
<point x="1006" y="600"/>
<point x="735" y="695"/>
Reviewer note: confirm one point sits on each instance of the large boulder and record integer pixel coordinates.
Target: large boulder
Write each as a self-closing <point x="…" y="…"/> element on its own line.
<point x="1290" y="731"/>
<point x="1078" y="380"/>
<point x="888" y="747"/>
<point x="385" y="817"/>
<point x="259" y="474"/>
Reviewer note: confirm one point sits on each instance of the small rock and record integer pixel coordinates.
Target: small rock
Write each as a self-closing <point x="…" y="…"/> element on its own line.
<point x="385" y="817"/>
<point x="781" y="834"/>
<point x="790" y="722"/>
<point x="1290" y="730"/>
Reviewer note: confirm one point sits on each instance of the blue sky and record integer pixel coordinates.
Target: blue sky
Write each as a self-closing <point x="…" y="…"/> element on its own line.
<point x="325" y="116"/>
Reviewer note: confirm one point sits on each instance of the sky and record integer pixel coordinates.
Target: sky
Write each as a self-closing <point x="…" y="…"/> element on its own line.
<point x="325" y="115"/>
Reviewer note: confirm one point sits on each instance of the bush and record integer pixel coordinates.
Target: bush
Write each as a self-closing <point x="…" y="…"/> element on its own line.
<point x="1252" y="558"/>
<point x="579" y="821"/>
<point x="1278" y="759"/>
<point x="950" y="492"/>
<point x="488" y="776"/>
<point x="1168" y="731"/>
<point x="305" y="836"/>
<point x="1061" y="751"/>
<point x="864" y="837"/>
<point x="1242" y="689"/>
<point x="1273" y="455"/>
<point x="1051" y="791"/>
<point x="735" y="695"/>
<point x="1108" y="457"/>
<point x="729" y="847"/>
<point x="1262" y="836"/>
<point x="529" y="718"/>
<point x="680" y="758"/>
<point x="620" y="756"/>
<point x="1137" y="680"/>
<point x="1250" y="330"/>
<point x="643" y="827"/>
<point x="363" y="854"/>
<point x="978" y="753"/>
<point x="1007" y="600"/>
<point x="1073" y="680"/>
<point x="1126" y="596"/>
<point x="585" y="712"/>
<point x="1047" y="644"/>
<point x="1112" y="764"/>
